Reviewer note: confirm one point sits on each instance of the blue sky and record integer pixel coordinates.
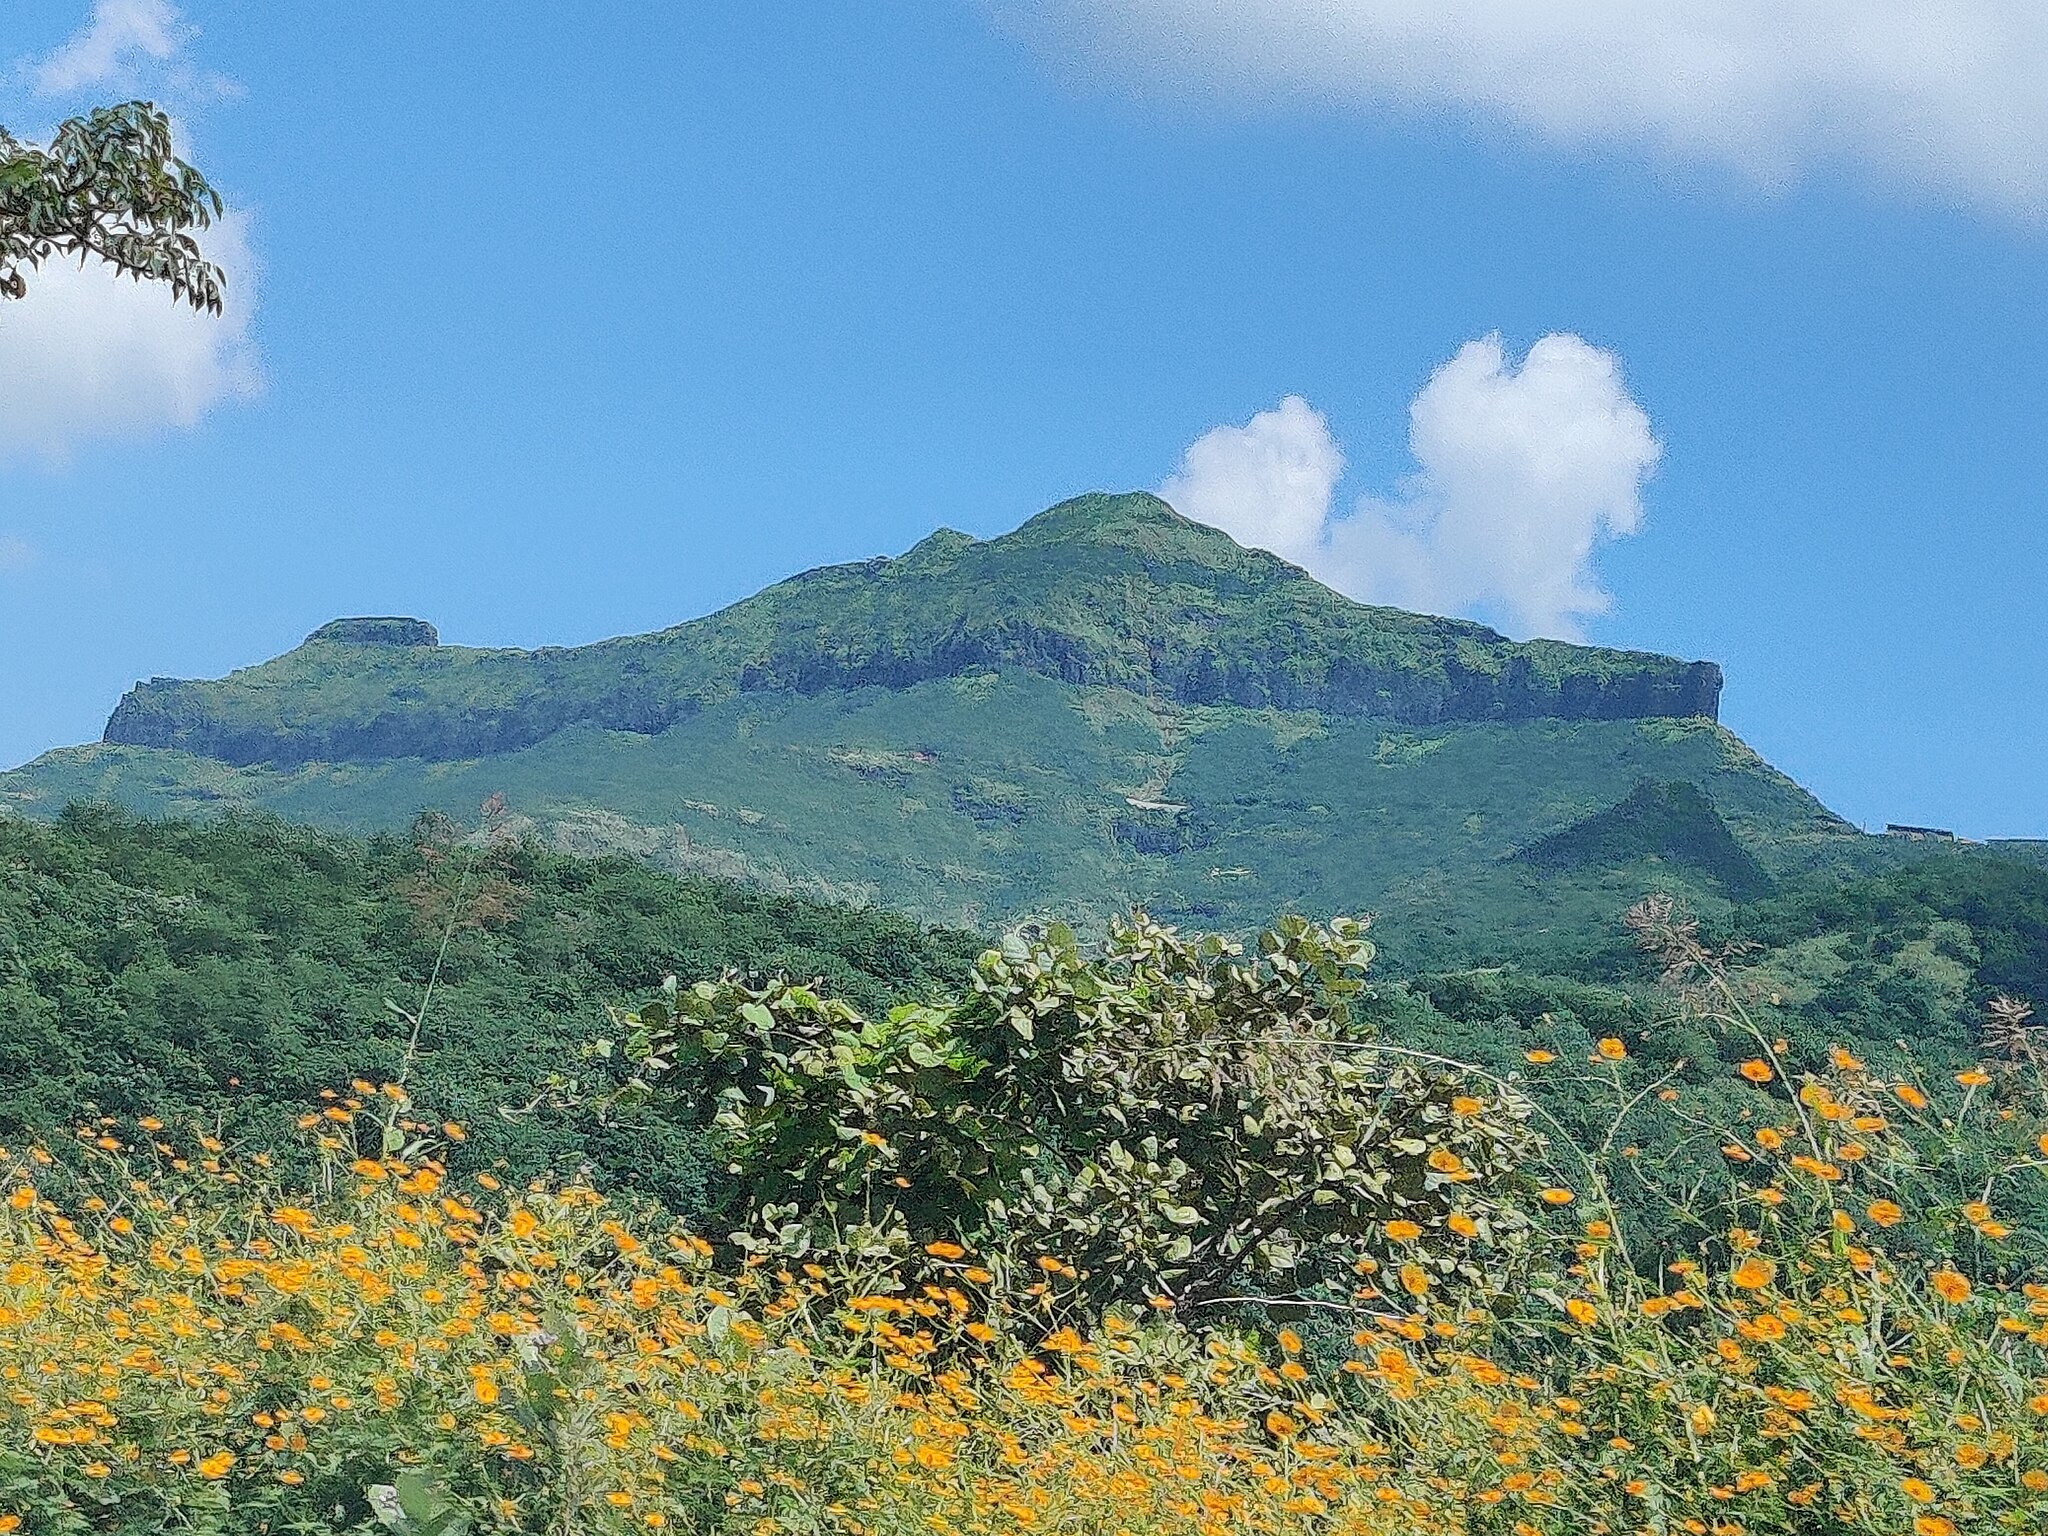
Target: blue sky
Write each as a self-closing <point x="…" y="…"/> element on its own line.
<point x="575" y="323"/>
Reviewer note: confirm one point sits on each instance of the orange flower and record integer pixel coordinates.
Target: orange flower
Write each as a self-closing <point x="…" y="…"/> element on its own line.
<point x="1462" y="1224"/>
<point x="1951" y="1287"/>
<point x="1444" y="1160"/>
<point x="1555" y="1196"/>
<point x="1757" y="1070"/>
<point x="944" y="1250"/>
<point x="1465" y="1104"/>
<point x="216" y="1466"/>
<point x="1403" y="1231"/>
<point x="1885" y="1213"/>
<point x="1909" y="1096"/>
<point x="1611" y="1049"/>
<point x="1414" y="1280"/>
<point x="1538" y="1057"/>
<point x="1976" y="1077"/>
<point x="1754" y="1273"/>
<point x="1582" y="1312"/>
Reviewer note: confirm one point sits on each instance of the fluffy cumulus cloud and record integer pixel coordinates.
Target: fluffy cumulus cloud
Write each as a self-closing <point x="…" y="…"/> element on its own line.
<point x="92" y="355"/>
<point x="1952" y="95"/>
<point x="120" y="36"/>
<point x="1522" y="472"/>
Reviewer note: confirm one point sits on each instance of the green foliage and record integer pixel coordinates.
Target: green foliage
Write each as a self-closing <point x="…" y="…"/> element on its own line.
<point x="229" y="973"/>
<point x="1174" y="1118"/>
<point x="108" y="187"/>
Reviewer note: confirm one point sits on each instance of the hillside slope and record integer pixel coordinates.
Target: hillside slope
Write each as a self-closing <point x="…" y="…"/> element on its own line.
<point x="1111" y="706"/>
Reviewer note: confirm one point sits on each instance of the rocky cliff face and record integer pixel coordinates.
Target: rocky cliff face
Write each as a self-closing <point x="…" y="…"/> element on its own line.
<point x="384" y="631"/>
<point x="1113" y="592"/>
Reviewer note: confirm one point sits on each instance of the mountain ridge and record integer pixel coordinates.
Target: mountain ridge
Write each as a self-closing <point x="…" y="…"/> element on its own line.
<point x="1098" y="591"/>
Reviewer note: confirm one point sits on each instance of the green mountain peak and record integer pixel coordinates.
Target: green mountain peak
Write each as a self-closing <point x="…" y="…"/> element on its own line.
<point x="1100" y="591"/>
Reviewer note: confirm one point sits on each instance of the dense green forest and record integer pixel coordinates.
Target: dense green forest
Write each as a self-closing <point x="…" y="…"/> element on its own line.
<point x="232" y="971"/>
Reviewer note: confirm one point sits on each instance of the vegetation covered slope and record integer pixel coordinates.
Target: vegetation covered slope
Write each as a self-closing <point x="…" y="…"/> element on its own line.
<point x="233" y="970"/>
<point x="985" y="799"/>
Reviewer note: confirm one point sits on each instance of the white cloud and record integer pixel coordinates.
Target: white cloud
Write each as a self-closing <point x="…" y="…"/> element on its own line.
<point x="15" y="553"/>
<point x="90" y="354"/>
<point x="121" y="35"/>
<point x="1266" y="483"/>
<point x="1522" y="473"/>
<point x="1952" y="95"/>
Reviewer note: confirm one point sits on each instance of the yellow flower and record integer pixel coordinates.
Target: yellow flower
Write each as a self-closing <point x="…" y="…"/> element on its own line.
<point x="1402" y="1231"/>
<point x="1611" y="1049"/>
<point x="1582" y="1312"/>
<point x="1465" y="1104"/>
<point x="1414" y="1280"/>
<point x="1462" y="1224"/>
<point x="1538" y="1057"/>
<point x="1951" y="1287"/>
<point x="1555" y="1196"/>
<point x="1757" y="1070"/>
<point x="1916" y="1490"/>
<point x="216" y="1466"/>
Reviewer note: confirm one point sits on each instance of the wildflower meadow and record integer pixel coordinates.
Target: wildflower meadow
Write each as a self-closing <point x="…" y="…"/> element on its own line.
<point x="198" y="1339"/>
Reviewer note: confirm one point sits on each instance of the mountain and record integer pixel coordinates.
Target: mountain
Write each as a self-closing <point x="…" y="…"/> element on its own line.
<point x="1101" y="592"/>
<point x="1111" y="705"/>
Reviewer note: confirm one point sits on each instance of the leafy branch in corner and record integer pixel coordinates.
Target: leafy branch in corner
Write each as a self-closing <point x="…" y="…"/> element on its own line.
<point x="108" y="186"/>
